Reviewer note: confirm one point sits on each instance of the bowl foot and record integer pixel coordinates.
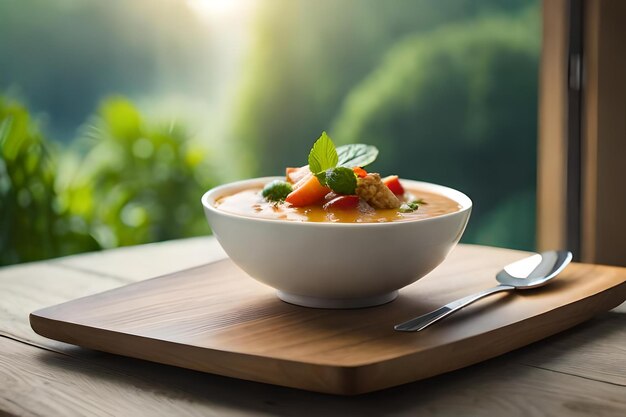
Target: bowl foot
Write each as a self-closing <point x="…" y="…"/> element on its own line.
<point x="317" y="302"/>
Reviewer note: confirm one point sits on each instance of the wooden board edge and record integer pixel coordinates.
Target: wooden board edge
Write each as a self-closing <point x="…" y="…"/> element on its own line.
<point x="50" y="309"/>
<point x="330" y="379"/>
<point x="408" y="369"/>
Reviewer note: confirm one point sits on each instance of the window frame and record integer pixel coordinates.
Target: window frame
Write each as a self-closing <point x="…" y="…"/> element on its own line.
<point x="581" y="195"/>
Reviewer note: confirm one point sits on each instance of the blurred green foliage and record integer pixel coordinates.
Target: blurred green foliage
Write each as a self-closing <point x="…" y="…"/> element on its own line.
<point x="458" y="107"/>
<point x="32" y="223"/>
<point x="307" y="57"/>
<point x="138" y="183"/>
<point x="63" y="56"/>
<point x="126" y="182"/>
<point x="446" y="89"/>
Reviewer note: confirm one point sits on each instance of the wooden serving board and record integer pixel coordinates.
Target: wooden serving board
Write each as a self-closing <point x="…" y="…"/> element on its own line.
<point x="216" y="319"/>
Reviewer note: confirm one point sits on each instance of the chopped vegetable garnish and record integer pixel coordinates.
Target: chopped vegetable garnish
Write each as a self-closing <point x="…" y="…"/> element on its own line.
<point x="276" y="191"/>
<point x="394" y="185"/>
<point x="307" y="191"/>
<point x="360" y="172"/>
<point x="343" y="202"/>
<point x="336" y="175"/>
<point x="294" y="175"/>
<point x="410" y="207"/>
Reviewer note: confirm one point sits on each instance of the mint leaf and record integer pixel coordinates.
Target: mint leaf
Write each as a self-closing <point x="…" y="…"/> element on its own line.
<point x="322" y="178"/>
<point x="323" y="155"/>
<point x="356" y="155"/>
<point x="341" y="180"/>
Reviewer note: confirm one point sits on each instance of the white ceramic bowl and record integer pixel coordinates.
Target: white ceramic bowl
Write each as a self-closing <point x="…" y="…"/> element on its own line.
<point x="336" y="265"/>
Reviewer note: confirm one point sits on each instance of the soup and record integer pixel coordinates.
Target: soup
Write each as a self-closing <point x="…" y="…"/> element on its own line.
<point x="335" y="188"/>
<point x="250" y="203"/>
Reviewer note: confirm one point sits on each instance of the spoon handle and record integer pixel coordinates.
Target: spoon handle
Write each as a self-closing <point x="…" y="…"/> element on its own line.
<point x="422" y="322"/>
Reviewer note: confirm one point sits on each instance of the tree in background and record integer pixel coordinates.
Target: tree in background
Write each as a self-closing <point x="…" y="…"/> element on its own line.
<point x="458" y="107"/>
<point x="308" y="55"/>
<point x="64" y="56"/>
<point x="130" y="182"/>
<point x="32" y="223"/>
<point x="446" y="90"/>
<point x="136" y="182"/>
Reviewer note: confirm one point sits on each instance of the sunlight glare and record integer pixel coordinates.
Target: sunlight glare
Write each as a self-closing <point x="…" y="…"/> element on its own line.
<point x="219" y="8"/>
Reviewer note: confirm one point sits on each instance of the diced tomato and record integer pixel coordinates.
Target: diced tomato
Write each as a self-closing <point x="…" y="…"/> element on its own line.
<point x="360" y="172"/>
<point x="343" y="202"/>
<point x="294" y="175"/>
<point x="393" y="183"/>
<point x="307" y="191"/>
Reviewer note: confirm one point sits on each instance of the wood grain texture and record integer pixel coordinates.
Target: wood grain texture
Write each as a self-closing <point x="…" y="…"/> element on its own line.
<point x="57" y="385"/>
<point x="28" y="287"/>
<point x="604" y="133"/>
<point x="595" y="350"/>
<point x="147" y="261"/>
<point x="24" y="288"/>
<point x="563" y="374"/>
<point x="39" y="383"/>
<point x="552" y="144"/>
<point x="216" y="319"/>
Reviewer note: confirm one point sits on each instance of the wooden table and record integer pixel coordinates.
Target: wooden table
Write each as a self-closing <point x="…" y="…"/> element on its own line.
<point x="579" y="372"/>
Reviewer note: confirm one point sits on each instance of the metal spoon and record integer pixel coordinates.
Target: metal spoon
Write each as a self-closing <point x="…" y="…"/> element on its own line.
<point x="530" y="272"/>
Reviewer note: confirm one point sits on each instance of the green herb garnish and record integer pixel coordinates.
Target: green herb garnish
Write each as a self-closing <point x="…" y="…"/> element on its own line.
<point x="356" y="155"/>
<point x="341" y="180"/>
<point x="323" y="155"/>
<point x="411" y="207"/>
<point x="276" y="191"/>
<point x="333" y="166"/>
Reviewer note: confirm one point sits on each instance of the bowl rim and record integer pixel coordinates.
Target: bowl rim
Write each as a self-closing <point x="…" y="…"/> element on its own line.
<point x="214" y="193"/>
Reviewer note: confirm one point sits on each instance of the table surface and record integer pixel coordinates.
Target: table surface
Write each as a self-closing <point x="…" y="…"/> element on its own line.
<point x="578" y="372"/>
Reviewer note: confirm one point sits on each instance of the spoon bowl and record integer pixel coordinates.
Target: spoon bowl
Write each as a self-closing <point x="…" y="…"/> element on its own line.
<point x="534" y="271"/>
<point x="531" y="272"/>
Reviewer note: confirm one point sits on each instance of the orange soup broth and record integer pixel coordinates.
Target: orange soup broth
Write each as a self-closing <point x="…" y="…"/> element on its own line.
<point x="250" y="203"/>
